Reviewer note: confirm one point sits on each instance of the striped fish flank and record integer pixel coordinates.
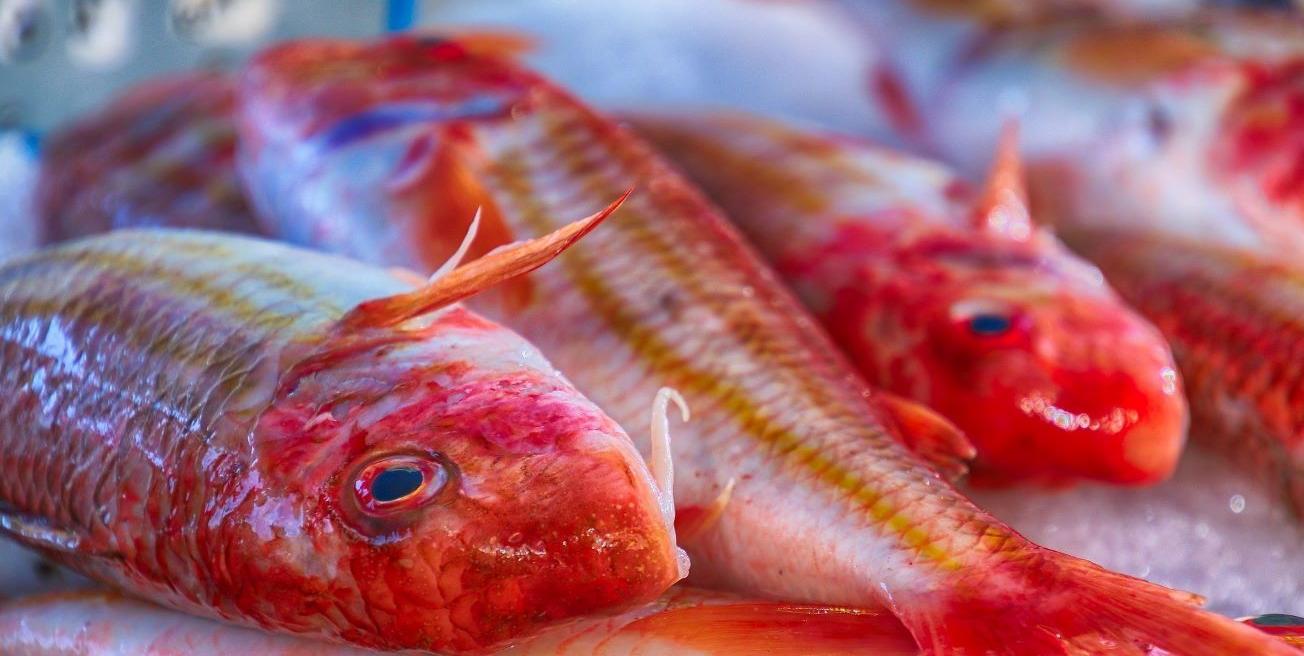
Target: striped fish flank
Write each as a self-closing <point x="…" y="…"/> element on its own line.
<point x="160" y="155"/>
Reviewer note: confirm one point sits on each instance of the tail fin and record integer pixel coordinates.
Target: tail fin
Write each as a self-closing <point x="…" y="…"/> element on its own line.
<point x="501" y="264"/>
<point x="1050" y="603"/>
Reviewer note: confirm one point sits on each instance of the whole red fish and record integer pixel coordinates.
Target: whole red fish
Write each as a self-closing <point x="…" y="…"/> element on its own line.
<point x="294" y="441"/>
<point x="792" y="482"/>
<point x="161" y="155"/>
<point x="1234" y="320"/>
<point x="950" y="299"/>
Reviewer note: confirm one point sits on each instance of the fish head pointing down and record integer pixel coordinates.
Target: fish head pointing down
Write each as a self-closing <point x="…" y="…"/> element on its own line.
<point x="1050" y="375"/>
<point x="444" y="488"/>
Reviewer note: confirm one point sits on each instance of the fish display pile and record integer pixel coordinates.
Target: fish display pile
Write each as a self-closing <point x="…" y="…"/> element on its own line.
<point x="315" y="356"/>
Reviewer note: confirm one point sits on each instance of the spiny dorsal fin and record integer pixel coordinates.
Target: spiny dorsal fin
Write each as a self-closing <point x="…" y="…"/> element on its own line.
<point x="500" y="264"/>
<point x="1003" y="207"/>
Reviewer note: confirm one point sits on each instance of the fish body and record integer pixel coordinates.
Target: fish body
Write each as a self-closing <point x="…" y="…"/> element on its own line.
<point x="1232" y="318"/>
<point x="995" y="325"/>
<point x="382" y="150"/>
<point x="683" y="622"/>
<point x="160" y="155"/>
<point x="1187" y="125"/>
<point x="219" y="424"/>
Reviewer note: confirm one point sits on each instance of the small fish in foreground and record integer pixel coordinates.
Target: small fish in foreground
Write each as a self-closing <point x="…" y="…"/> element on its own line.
<point x="947" y="297"/>
<point x="799" y="487"/>
<point x="1235" y="320"/>
<point x="247" y="431"/>
<point x="683" y="622"/>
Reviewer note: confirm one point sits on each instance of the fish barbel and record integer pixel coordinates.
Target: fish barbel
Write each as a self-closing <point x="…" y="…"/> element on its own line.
<point x="953" y="300"/>
<point x="683" y="622"/>
<point x="160" y="155"/>
<point x="247" y="431"/>
<point x="789" y="480"/>
<point x="1234" y="320"/>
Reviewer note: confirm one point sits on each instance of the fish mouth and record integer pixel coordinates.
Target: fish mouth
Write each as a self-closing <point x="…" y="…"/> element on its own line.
<point x="1118" y="427"/>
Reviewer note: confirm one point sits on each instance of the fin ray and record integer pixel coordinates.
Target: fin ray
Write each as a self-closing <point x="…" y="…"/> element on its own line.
<point x="503" y="263"/>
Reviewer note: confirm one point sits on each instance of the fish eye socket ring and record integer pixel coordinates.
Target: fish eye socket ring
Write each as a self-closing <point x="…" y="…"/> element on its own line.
<point x="397" y="482"/>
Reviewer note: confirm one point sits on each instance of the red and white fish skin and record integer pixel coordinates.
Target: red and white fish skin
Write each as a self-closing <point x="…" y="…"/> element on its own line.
<point x="995" y="325"/>
<point x="1233" y="318"/>
<point x="160" y="155"/>
<point x="379" y="149"/>
<point x="203" y="421"/>
<point x="683" y="622"/>
<point x="1189" y="126"/>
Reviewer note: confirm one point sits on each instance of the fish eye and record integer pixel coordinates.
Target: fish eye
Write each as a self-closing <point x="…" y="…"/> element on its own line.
<point x="398" y="482"/>
<point x="989" y="324"/>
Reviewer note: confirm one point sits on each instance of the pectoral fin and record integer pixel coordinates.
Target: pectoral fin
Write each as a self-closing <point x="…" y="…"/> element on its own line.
<point x="930" y="435"/>
<point x="693" y="521"/>
<point x="41" y="533"/>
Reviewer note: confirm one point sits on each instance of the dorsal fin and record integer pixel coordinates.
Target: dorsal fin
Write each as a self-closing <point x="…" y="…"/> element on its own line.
<point x="1003" y="206"/>
<point x="503" y="263"/>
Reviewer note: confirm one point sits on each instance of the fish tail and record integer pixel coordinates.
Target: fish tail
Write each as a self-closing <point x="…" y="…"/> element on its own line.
<point x="1049" y="603"/>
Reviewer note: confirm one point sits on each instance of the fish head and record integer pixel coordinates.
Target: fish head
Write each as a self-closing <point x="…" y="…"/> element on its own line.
<point x="461" y="491"/>
<point x="1050" y="375"/>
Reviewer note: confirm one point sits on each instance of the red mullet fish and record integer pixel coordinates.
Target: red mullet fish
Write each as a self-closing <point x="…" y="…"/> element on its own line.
<point x="289" y="440"/>
<point x="790" y="481"/>
<point x="953" y="300"/>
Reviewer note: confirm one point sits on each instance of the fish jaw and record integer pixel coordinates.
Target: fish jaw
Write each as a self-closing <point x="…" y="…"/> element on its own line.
<point x="533" y="507"/>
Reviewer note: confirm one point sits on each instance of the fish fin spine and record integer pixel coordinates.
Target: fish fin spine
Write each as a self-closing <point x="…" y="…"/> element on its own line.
<point x="499" y="265"/>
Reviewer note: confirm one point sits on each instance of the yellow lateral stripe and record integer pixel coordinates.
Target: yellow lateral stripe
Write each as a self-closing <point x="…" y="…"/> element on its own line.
<point x="178" y="282"/>
<point x="662" y="357"/>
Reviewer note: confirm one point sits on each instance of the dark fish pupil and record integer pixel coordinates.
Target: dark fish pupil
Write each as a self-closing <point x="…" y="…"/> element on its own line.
<point x="988" y="325"/>
<point x="1278" y="619"/>
<point x="394" y="484"/>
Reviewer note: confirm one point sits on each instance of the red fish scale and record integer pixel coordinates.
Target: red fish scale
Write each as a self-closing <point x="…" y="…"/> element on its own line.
<point x="112" y="436"/>
<point x="1235" y="330"/>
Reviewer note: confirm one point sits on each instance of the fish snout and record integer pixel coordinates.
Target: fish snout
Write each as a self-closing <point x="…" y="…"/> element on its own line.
<point x="1124" y="425"/>
<point x="596" y="542"/>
